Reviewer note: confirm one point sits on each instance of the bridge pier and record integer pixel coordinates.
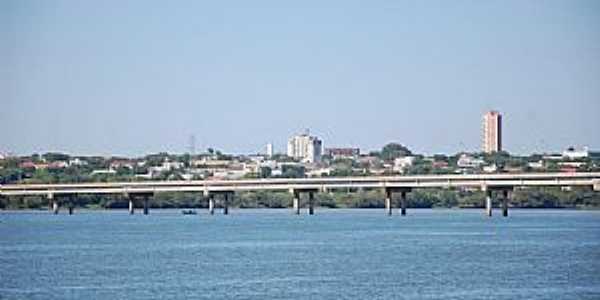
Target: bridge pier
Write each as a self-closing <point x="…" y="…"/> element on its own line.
<point x="296" y="202"/>
<point x="50" y="201"/>
<point x="211" y="204"/>
<point x="403" y="203"/>
<point x="55" y="206"/>
<point x="311" y="200"/>
<point x="388" y="201"/>
<point x="226" y="204"/>
<point x="131" y="206"/>
<point x="145" y="205"/>
<point x="71" y="204"/>
<point x="505" y="200"/>
<point x="488" y="203"/>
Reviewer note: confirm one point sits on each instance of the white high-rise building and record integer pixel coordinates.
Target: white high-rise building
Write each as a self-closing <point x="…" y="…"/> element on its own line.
<point x="492" y="132"/>
<point x="269" y="150"/>
<point x="305" y="147"/>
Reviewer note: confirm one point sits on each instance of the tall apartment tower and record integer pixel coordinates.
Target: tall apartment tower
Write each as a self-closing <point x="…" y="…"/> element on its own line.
<point x="269" y="150"/>
<point x="305" y="147"/>
<point x="492" y="132"/>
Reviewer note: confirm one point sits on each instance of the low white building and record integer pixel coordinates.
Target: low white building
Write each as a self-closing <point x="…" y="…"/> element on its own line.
<point x="466" y="161"/>
<point x="572" y="153"/>
<point x="104" y="171"/>
<point x="77" y="162"/>
<point x="536" y="164"/>
<point x="490" y="169"/>
<point x="172" y="165"/>
<point x="230" y="174"/>
<point x="251" y="167"/>
<point x="144" y="176"/>
<point x="319" y="172"/>
<point x="210" y="163"/>
<point x="402" y="163"/>
<point x="571" y="164"/>
<point x="554" y="157"/>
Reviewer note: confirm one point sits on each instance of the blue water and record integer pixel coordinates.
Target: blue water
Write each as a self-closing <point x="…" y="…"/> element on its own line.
<point x="271" y="254"/>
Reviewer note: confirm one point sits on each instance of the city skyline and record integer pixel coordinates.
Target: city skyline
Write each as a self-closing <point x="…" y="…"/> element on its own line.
<point x="90" y="79"/>
<point x="271" y="147"/>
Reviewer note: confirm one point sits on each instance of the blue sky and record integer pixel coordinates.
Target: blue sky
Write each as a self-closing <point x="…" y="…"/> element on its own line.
<point x="135" y="77"/>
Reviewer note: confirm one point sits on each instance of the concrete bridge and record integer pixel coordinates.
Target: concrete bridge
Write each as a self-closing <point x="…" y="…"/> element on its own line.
<point x="504" y="183"/>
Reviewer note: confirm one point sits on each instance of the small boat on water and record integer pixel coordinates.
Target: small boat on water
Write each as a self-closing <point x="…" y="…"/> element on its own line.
<point x="188" y="212"/>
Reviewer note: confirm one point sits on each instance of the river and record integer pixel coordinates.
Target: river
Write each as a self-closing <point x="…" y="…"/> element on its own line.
<point x="272" y="254"/>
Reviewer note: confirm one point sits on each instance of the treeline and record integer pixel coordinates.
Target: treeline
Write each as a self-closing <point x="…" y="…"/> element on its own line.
<point x="424" y="198"/>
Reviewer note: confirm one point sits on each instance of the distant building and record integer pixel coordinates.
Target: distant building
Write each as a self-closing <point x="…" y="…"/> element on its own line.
<point x="537" y="165"/>
<point x="402" y="163"/>
<point x="342" y="152"/>
<point x="466" y="161"/>
<point x="116" y="164"/>
<point x="571" y="164"/>
<point x="439" y="164"/>
<point x="104" y="172"/>
<point x="319" y="172"/>
<point x="555" y="157"/>
<point x="27" y="165"/>
<point x="77" y="162"/>
<point x="269" y="150"/>
<point x="572" y="153"/>
<point x="171" y="165"/>
<point x="492" y="132"/>
<point x="229" y="174"/>
<point x="490" y="169"/>
<point x="305" y="147"/>
<point x="58" y="165"/>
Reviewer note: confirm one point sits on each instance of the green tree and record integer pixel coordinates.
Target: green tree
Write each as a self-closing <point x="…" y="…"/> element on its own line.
<point x="393" y="150"/>
<point x="51" y="156"/>
<point x="265" y="172"/>
<point x="292" y="171"/>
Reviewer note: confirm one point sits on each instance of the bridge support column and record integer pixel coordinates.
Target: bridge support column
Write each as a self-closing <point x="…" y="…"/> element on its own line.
<point x="505" y="199"/>
<point x="50" y="201"/>
<point x="211" y="204"/>
<point x="145" y="205"/>
<point x="71" y="205"/>
<point x="311" y="200"/>
<point x="226" y="204"/>
<point x="488" y="203"/>
<point x="131" y="206"/>
<point x="403" y="203"/>
<point x="55" y="206"/>
<point x="388" y="202"/>
<point x="296" y="203"/>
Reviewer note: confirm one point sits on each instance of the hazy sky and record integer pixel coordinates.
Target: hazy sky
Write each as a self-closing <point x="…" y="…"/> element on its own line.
<point x="134" y="77"/>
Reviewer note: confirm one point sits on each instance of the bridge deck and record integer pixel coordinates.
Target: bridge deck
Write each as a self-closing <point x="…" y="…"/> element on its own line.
<point x="206" y="186"/>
